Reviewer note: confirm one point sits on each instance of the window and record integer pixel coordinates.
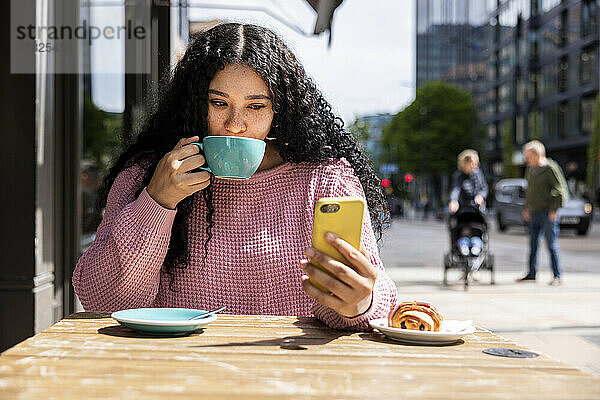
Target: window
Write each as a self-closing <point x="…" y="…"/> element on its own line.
<point x="564" y="26"/>
<point x="491" y="101"/>
<point x="534" y="43"/>
<point x="549" y="82"/>
<point x="573" y="29"/>
<point x="548" y="5"/>
<point x="525" y="9"/>
<point x="587" y="114"/>
<point x="551" y="35"/>
<point x="492" y="68"/>
<point x="550" y="122"/>
<point x="492" y="131"/>
<point x="491" y="142"/>
<point x="588" y="17"/>
<point x="572" y="128"/>
<point x="574" y="70"/>
<point x="508" y="14"/>
<point x="534" y="78"/>
<point x="507" y="59"/>
<point x="562" y="119"/>
<point x="533" y="121"/>
<point x="490" y="5"/>
<point x="520" y="130"/>
<point x="588" y="66"/>
<point x="521" y="91"/>
<point x="103" y="105"/>
<point x="523" y="48"/>
<point x="504" y="99"/>
<point x="563" y="74"/>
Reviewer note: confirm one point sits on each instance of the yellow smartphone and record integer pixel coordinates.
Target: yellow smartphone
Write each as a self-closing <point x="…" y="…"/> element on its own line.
<point x="342" y="216"/>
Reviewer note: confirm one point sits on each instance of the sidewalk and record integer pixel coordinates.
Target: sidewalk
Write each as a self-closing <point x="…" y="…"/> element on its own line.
<point x="562" y="322"/>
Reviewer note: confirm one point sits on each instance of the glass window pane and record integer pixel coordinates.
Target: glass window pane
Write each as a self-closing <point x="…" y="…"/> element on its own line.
<point x="587" y="114"/>
<point x="588" y="65"/>
<point x="520" y="130"/>
<point x="551" y="36"/>
<point x="574" y="23"/>
<point x="588" y="17"/>
<point x="572" y="128"/>
<point x="103" y="105"/>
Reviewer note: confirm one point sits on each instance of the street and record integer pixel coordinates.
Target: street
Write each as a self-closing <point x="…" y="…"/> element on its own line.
<point x="563" y="321"/>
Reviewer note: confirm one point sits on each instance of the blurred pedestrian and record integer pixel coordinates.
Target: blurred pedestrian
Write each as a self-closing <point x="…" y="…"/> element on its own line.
<point x="468" y="189"/>
<point x="546" y="192"/>
<point x="468" y="183"/>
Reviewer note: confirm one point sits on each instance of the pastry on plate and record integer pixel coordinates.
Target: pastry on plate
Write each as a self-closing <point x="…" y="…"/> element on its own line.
<point x="415" y="315"/>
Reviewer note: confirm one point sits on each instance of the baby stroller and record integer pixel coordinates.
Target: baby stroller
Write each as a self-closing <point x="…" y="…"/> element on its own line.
<point x="469" y="255"/>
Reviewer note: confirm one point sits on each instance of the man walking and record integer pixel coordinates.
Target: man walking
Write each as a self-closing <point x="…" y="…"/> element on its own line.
<point x="546" y="193"/>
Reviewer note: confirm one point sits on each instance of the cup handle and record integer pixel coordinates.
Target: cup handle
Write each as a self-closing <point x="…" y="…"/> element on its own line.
<point x="201" y="147"/>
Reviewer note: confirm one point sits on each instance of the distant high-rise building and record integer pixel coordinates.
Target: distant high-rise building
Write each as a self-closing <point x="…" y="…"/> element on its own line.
<point x="375" y="125"/>
<point x="531" y="65"/>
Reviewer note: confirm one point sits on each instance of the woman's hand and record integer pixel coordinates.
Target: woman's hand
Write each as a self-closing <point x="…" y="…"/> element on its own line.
<point x="479" y="200"/>
<point x="453" y="206"/>
<point x="171" y="181"/>
<point x="351" y="289"/>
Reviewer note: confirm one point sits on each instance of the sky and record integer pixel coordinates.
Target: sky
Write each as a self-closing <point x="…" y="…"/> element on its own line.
<point x="368" y="69"/>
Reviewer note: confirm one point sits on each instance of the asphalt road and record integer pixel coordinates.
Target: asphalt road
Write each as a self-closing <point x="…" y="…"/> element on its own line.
<point x="411" y="243"/>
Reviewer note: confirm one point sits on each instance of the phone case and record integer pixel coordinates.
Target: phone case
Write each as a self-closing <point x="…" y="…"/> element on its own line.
<point x="346" y="222"/>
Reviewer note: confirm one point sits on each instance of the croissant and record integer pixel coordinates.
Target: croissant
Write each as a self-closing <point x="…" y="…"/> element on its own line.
<point x="415" y="315"/>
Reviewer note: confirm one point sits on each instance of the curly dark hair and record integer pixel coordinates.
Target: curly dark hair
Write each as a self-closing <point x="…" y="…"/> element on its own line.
<point x="304" y="128"/>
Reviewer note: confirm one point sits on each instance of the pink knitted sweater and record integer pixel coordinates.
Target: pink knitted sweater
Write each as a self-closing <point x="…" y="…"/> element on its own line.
<point x="262" y="226"/>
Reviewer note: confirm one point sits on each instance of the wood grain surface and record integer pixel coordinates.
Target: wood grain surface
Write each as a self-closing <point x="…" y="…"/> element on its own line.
<point x="90" y="356"/>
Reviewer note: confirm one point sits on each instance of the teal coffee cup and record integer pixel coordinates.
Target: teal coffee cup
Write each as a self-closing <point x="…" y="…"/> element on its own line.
<point x="232" y="157"/>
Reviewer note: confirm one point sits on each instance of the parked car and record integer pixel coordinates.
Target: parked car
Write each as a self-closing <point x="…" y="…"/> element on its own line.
<point x="510" y="198"/>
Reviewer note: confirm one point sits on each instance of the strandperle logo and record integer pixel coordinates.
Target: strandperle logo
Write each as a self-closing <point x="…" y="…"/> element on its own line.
<point x="95" y="38"/>
<point x="83" y="32"/>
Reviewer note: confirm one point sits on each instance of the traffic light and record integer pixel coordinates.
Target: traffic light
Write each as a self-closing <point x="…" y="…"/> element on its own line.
<point x="408" y="178"/>
<point x="385" y="183"/>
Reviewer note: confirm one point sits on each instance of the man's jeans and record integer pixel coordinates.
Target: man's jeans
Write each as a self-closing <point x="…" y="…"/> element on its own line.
<point x="540" y="224"/>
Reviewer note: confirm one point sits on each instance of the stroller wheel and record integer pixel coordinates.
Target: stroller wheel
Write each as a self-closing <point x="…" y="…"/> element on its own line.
<point x="446" y="267"/>
<point x="490" y="265"/>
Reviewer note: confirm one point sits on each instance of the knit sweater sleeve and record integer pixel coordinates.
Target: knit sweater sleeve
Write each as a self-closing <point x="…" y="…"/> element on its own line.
<point x="343" y="182"/>
<point x="122" y="267"/>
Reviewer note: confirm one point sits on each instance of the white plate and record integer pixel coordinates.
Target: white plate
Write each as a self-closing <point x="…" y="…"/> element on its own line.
<point x="451" y="331"/>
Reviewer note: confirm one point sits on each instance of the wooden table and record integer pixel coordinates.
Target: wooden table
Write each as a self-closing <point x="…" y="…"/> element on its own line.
<point x="90" y="356"/>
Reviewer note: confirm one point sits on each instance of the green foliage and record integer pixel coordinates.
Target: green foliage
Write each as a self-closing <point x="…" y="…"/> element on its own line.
<point x="508" y="149"/>
<point x="593" y="153"/>
<point x="101" y="134"/>
<point x="360" y="130"/>
<point x="429" y="133"/>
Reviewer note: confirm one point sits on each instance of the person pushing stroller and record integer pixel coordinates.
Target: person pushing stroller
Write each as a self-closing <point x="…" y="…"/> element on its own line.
<point x="469" y="189"/>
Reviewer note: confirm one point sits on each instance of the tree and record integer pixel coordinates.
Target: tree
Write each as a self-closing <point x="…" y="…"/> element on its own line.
<point x="508" y="149"/>
<point x="101" y="134"/>
<point x="593" y="153"/>
<point x="430" y="132"/>
<point x="360" y="130"/>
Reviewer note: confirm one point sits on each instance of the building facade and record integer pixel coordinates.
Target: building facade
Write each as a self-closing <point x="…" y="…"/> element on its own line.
<point x="375" y="124"/>
<point x="531" y="65"/>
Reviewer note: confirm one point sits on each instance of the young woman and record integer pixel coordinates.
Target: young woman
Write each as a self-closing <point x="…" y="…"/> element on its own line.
<point x="174" y="236"/>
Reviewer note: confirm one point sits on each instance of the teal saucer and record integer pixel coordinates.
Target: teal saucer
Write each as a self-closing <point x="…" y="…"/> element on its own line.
<point x="162" y="321"/>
